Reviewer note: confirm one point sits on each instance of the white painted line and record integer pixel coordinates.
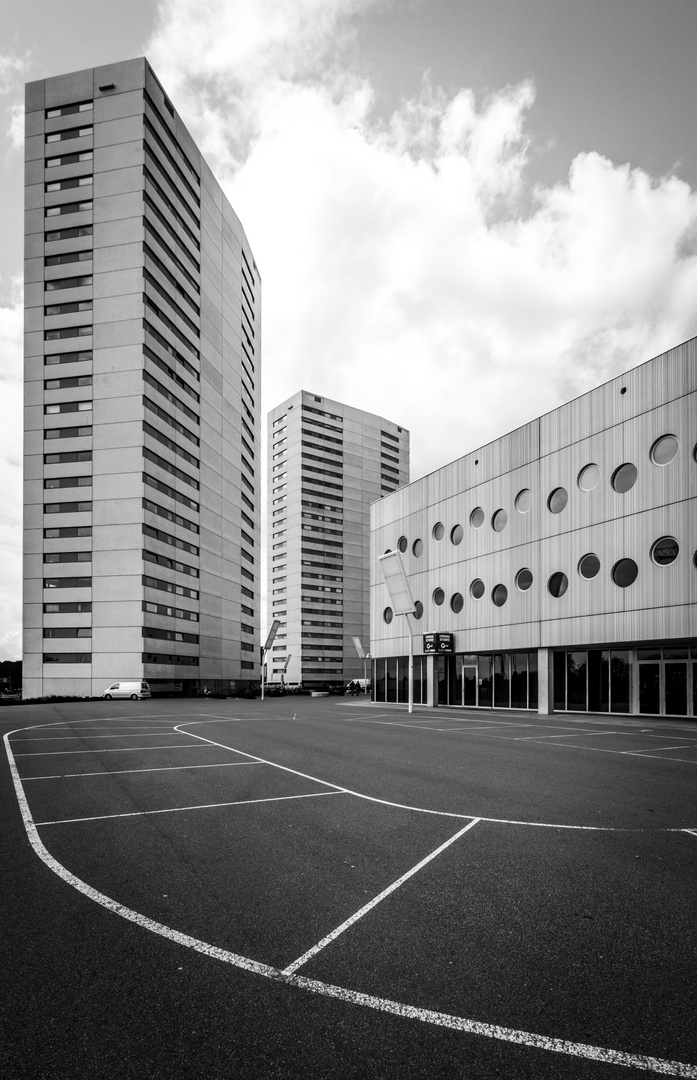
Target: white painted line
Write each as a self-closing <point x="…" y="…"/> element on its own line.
<point x="231" y="719"/>
<point x="438" y="719"/>
<point x="99" y="735"/>
<point x="565" y="735"/>
<point x="469" y="730"/>
<point x="656" y="749"/>
<point x="374" y="902"/>
<point x="124" y="772"/>
<point x="400" y="806"/>
<point x="642" y="1062"/>
<point x="116" y="750"/>
<point x="177" y="809"/>
<point x="624" y="753"/>
<point x="692" y="832"/>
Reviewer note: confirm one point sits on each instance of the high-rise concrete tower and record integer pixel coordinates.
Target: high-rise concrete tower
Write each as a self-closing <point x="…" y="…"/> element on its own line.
<point x="327" y="463"/>
<point x="142" y="379"/>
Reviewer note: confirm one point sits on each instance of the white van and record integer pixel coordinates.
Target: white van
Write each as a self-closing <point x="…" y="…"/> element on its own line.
<point x="134" y="689"/>
<point x="357" y="686"/>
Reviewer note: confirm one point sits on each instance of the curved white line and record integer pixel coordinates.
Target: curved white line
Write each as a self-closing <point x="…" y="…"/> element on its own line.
<point x="403" y="806"/>
<point x="428" y="1016"/>
<point x="645" y="1063"/>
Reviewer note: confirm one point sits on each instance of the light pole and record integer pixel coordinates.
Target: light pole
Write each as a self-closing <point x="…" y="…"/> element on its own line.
<point x="402" y="603"/>
<point x="364" y="656"/>
<point x="269" y="642"/>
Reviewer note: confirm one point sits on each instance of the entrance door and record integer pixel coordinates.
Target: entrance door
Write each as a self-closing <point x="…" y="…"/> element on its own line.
<point x="469" y="686"/>
<point x="650" y="688"/>
<point x="676" y="688"/>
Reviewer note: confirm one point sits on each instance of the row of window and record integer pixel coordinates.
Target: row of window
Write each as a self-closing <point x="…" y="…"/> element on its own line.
<point x="663" y="552"/>
<point x="662" y="452"/>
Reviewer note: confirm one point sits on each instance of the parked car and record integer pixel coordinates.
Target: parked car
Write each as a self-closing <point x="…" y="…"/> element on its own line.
<point x="134" y="689"/>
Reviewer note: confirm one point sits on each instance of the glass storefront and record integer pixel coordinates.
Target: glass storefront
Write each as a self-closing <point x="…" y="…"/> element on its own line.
<point x="391" y="679"/>
<point x="660" y="680"/>
<point x="484" y="680"/>
<point x="668" y="680"/>
<point x="593" y="680"/>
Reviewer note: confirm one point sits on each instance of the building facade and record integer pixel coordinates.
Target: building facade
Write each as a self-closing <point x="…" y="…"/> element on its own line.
<point x="561" y="558"/>
<point x="326" y="463"/>
<point x="142" y="416"/>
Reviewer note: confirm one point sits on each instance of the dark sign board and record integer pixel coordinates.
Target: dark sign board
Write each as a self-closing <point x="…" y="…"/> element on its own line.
<point x="438" y="643"/>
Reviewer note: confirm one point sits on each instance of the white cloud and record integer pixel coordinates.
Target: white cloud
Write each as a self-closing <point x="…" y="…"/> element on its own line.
<point x="12" y="72"/>
<point x="11" y="461"/>
<point x="15" y="125"/>
<point x="403" y="272"/>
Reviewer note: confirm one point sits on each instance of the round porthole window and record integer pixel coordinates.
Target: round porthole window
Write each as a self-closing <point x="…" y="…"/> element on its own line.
<point x="624" y="573"/>
<point x="523" y="579"/>
<point x="499" y="521"/>
<point x="523" y="501"/>
<point x="624" y="478"/>
<point x="438" y="597"/>
<point x="589" y="477"/>
<point x="402" y="544"/>
<point x="558" y="584"/>
<point x="418" y="609"/>
<point x="664" y="449"/>
<point x="438" y="531"/>
<point x="558" y="500"/>
<point x="665" y="551"/>
<point x="417" y="547"/>
<point x="388" y="615"/>
<point x="456" y="602"/>
<point x="477" y="518"/>
<point x="499" y="595"/>
<point x="589" y="566"/>
<point x="477" y="588"/>
<point x="456" y="535"/>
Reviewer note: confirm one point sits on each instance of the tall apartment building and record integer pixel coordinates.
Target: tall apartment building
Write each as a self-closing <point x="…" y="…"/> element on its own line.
<point x="327" y="463"/>
<point x="142" y="373"/>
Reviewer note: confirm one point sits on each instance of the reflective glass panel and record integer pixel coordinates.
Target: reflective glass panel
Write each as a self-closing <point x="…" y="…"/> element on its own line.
<point x="624" y="573"/>
<point x="665" y="550"/>
<point x="523" y="579"/>
<point x="558" y="500"/>
<point x="499" y="521"/>
<point x="625" y="477"/>
<point x="588" y="477"/>
<point x="589" y="566"/>
<point x="664" y="449"/>
<point x="558" y="584"/>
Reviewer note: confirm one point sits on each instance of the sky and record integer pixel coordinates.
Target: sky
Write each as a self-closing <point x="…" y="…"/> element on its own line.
<point x="464" y="213"/>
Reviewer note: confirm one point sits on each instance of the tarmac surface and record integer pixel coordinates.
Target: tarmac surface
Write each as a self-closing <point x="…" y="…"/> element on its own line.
<point x="315" y="888"/>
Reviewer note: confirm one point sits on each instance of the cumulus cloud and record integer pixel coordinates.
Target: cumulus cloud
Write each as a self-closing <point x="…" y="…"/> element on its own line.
<point x="12" y="73"/>
<point x="408" y="265"/>
<point x="11" y="460"/>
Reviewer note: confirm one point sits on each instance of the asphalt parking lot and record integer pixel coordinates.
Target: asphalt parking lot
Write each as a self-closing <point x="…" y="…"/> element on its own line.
<point x="328" y="888"/>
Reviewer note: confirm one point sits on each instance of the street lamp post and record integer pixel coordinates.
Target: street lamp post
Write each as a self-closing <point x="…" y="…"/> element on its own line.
<point x="402" y="603"/>
<point x="265" y="648"/>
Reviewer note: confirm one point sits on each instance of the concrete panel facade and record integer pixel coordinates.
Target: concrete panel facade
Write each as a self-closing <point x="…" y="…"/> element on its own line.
<point x="123" y="336"/>
<point x="326" y="463"/>
<point x="529" y="544"/>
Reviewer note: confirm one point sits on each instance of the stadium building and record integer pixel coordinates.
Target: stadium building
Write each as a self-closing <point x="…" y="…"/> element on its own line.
<point x="554" y="569"/>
